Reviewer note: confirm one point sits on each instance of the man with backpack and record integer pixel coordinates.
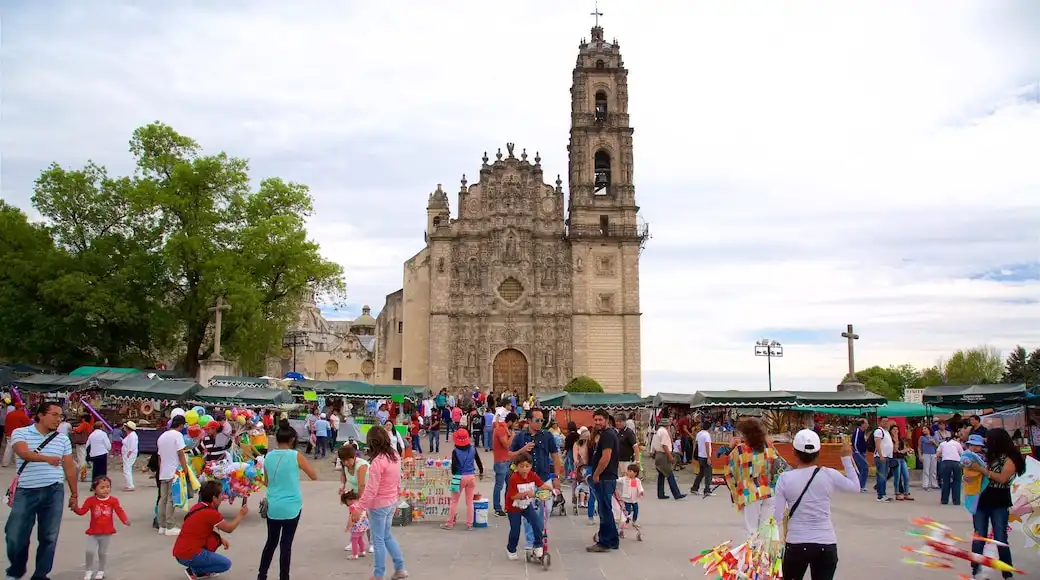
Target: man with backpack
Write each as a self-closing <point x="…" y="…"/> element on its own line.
<point x="881" y="445"/>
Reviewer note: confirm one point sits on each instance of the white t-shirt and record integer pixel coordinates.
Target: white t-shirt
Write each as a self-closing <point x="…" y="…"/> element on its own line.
<point x="950" y="450"/>
<point x="64" y="428"/>
<point x="99" y="443"/>
<point x="886" y="442"/>
<point x="703" y="443"/>
<point x="169" y="444"/>
<point x="334" y="421"/>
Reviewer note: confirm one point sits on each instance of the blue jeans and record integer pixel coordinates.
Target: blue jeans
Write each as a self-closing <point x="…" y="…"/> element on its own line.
<point x="632" y="509"/>
<point x="861" y="469"/>
<point x="982" y="519"/>
<point x="881" y="465"/>
<point x="319" y="445"/>
<point x="206" y="562"/>
<point x="568" y="465"/>
<point x="592" y="492"/>
<point x="43" y="505"/>
<point x="501" y="476"/>
<point x="417" y="444"/>
<point x="532" y="520"/>
<point x="901" y="479"/>
<point x="531" y="538"/>
<point x="434" y="440"/>
<point x="383" y="541"/>
<point x="487" y="438"/>
<point x="608" y="532"/>
<point x="950" y="481"/>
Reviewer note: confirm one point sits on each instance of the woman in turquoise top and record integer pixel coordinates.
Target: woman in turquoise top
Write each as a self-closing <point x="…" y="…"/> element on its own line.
<point x="282" y="468"/>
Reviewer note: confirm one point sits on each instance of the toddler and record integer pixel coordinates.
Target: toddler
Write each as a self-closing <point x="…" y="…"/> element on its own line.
<point x="582" y="490"/>
<point x="101" y="506"/>
<point x="519" y="494"/>
<point x="631" y="490"/>
<point x="358" y="525"/>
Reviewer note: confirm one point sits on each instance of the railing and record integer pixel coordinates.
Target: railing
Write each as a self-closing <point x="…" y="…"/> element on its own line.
<point x="640" y="232"/>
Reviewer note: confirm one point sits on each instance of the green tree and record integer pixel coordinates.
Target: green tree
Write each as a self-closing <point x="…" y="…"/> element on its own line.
<point x="931" y="377"/>
<point x="981" y="365"/>
<point x="1015" y="369"/>
<point x="183" y="230"/>
<point x="1032" y="375"/>
<point x="882" y="381"/>
<point x="583" y="384"/>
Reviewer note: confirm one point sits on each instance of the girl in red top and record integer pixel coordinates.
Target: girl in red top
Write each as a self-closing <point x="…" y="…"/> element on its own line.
<point x="520" y="504"/>
<point x="102" y="526"/>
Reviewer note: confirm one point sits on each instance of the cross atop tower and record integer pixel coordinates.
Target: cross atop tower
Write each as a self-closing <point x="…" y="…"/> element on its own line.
<point x="596" y="13"/>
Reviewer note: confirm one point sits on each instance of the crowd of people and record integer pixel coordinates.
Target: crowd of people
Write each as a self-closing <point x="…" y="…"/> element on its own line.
<point x="531" y="460"/>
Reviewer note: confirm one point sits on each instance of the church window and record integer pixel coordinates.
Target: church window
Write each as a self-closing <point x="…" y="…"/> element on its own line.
<point x="601" y="106"/>
<point x="600" y="63"/>
<point x="604" y="225"/>
<point x="397" y="373"/>
<point x="601" y="163"/>
<point x="319" y="346"/>
<point x="436" y="221"/>
<point x="400" y="327"/>
<point x="510" y="290"/>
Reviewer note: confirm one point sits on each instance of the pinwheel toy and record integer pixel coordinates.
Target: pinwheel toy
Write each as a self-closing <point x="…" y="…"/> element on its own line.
<point x="942" y="548"/>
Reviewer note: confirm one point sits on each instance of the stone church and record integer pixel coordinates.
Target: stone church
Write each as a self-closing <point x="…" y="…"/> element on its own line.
<point x="528" y="286"/>
<point x="327" y="350"/>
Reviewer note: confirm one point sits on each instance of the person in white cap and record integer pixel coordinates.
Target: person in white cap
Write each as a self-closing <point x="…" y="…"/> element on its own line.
<point x="322" y="427"/>
<point x="807" y="490"/>
<point x="129" y="453"/>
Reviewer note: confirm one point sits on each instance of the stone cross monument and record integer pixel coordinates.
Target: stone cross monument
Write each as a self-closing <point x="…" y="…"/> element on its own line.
<point x="850" y="383"/>
<point x="219" y="309"/>
<point x="215" y="365"/>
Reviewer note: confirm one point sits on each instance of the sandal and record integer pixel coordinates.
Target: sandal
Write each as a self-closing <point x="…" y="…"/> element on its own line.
<point x="447" y="526"/>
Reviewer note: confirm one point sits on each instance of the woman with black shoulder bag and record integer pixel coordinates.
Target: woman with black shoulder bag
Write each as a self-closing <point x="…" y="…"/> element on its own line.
<point x="807" y="489"/>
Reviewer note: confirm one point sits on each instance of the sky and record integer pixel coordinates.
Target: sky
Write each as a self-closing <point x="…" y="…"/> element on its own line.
<point x="802" y="165"/>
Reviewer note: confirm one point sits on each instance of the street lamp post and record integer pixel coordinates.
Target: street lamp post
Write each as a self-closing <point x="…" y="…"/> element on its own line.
<point x="770" y="349"/>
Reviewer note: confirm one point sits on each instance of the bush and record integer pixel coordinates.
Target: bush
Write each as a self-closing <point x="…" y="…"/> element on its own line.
<point x="583" y="384"/>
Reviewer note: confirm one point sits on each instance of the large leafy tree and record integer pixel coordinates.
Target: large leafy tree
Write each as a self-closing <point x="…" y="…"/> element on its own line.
<point x="183" y="230"/>
<point x="890" y="382"/>
<point x="981" y="365"/>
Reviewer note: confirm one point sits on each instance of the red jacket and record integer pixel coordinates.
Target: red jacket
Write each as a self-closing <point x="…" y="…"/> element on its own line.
<point x="16" y="420"/>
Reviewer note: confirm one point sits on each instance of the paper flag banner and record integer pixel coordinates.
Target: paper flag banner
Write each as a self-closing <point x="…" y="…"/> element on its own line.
<point x="310" y="396"/>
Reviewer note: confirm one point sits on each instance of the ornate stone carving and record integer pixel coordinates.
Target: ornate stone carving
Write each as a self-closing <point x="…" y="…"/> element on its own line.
<point x="605" y="303"/>
<point x="605" y="266"/>
<point x="473" y="276"/>
<point x="549" y="274"/>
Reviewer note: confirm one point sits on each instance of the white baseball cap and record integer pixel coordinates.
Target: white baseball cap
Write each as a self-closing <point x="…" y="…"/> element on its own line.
<point x="322" y="416"/>
<point x="807" y="441"/>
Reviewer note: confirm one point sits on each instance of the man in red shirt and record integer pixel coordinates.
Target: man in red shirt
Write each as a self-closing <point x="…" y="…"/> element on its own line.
<point x="502" y="438"/>
<point x="15" y="420"/>
<point x="197" y="544"/>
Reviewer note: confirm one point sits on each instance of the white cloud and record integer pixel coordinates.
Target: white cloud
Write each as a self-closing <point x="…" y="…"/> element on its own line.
<point x="802" y="165"/>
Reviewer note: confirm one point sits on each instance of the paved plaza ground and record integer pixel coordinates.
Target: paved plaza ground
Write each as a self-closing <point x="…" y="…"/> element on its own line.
<point x="869" y="540"/>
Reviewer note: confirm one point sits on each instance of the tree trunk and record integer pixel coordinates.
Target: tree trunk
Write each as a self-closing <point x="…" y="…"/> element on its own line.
<point x="191" y="356"/>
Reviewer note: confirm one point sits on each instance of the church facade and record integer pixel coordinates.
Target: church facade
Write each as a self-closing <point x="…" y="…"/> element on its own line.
<point x="527" y="286"/>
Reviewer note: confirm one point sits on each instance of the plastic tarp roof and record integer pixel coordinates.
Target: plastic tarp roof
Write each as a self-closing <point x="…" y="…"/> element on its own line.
<point x="743" y="399"/>
<point x="841" y="399"/>
<point x="87" y="371"/>
<point x="891" y="409"/>
<point x="564" y="399"/>
<point x="56" y="383"/>
<point x="359" y="389"/>
<point x="672" y="399"/>
<point x="974" y="396"/>
<point x="246" y="396"/>
<point x="142" y="387"/>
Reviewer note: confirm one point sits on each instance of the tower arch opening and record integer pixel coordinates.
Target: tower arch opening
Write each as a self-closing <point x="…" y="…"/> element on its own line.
<point x="601" y="106"/>
<point x="601" y="165"/>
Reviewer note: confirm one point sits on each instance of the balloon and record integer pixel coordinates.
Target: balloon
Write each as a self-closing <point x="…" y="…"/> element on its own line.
<point x="199" y="409"/>
<point x="227" y="413"/>
<point x="194" y="431"/>
<point x="191" y="417"/>
<point x="250" y="472"/>
<point x="176" y="412"/>
<point x="205" y="420"/>
<point x="242" y="419"/>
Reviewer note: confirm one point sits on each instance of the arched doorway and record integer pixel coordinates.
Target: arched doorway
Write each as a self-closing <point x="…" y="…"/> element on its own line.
<point x="510" y="372"/>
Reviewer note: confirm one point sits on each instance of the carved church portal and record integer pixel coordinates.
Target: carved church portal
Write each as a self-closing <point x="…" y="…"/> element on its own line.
<point x="510" y="372"/>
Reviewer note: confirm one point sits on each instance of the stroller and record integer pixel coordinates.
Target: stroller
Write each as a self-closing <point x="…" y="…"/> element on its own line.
<point x="559" y="505"/>
<point x="622" y="518"/>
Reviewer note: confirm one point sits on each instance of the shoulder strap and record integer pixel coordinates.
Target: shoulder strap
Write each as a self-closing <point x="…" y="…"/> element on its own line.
<point x="798" y="501"/>
<point x="39" y="448"/>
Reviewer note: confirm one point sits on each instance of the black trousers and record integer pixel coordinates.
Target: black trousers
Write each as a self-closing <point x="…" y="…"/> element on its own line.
<point x="704" y="474"/>
<point x="98" y="468"/>
<point x="821" y="559"/>
<point x="280" y="534"/>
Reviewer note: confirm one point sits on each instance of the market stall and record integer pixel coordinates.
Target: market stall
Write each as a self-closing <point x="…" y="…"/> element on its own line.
<point x="975" y="396"/>
<point x="579" y="407"/>
<point x="245" y="397"/>
<point x="142" y="400"/>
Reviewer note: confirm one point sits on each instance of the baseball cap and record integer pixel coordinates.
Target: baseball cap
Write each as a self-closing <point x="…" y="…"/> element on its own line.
<point x="807" y="441"/>
<point x="976" y="440"/>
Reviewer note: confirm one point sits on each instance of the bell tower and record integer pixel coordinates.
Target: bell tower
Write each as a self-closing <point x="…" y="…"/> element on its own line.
<point x="603" y="225"/>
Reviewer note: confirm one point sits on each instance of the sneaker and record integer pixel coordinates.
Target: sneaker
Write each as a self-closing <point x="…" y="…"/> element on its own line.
<point x="100" y="575"/>
<point x="371" y="549"/>
<point x="162" y="531"/>
<point x="512" y="555"/>
<point x="347" y="548"/>
<point x="88" y="575"/>
<point x="501" y="514"/>
<point x="538" y="552"/>
<point x="400" y="575"/>
<point x="173" y="532"/>
<point x="591" y="522"/>
<point x="885" y="499"/>
<point x="680" y="498"/>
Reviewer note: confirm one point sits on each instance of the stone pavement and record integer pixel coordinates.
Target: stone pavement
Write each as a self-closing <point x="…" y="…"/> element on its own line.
<point x="869" y="536"/>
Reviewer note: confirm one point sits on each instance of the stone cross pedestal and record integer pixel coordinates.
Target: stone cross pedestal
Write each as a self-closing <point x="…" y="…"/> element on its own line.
<point x="215" y="365"/>
<point x="850" y="383"/>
